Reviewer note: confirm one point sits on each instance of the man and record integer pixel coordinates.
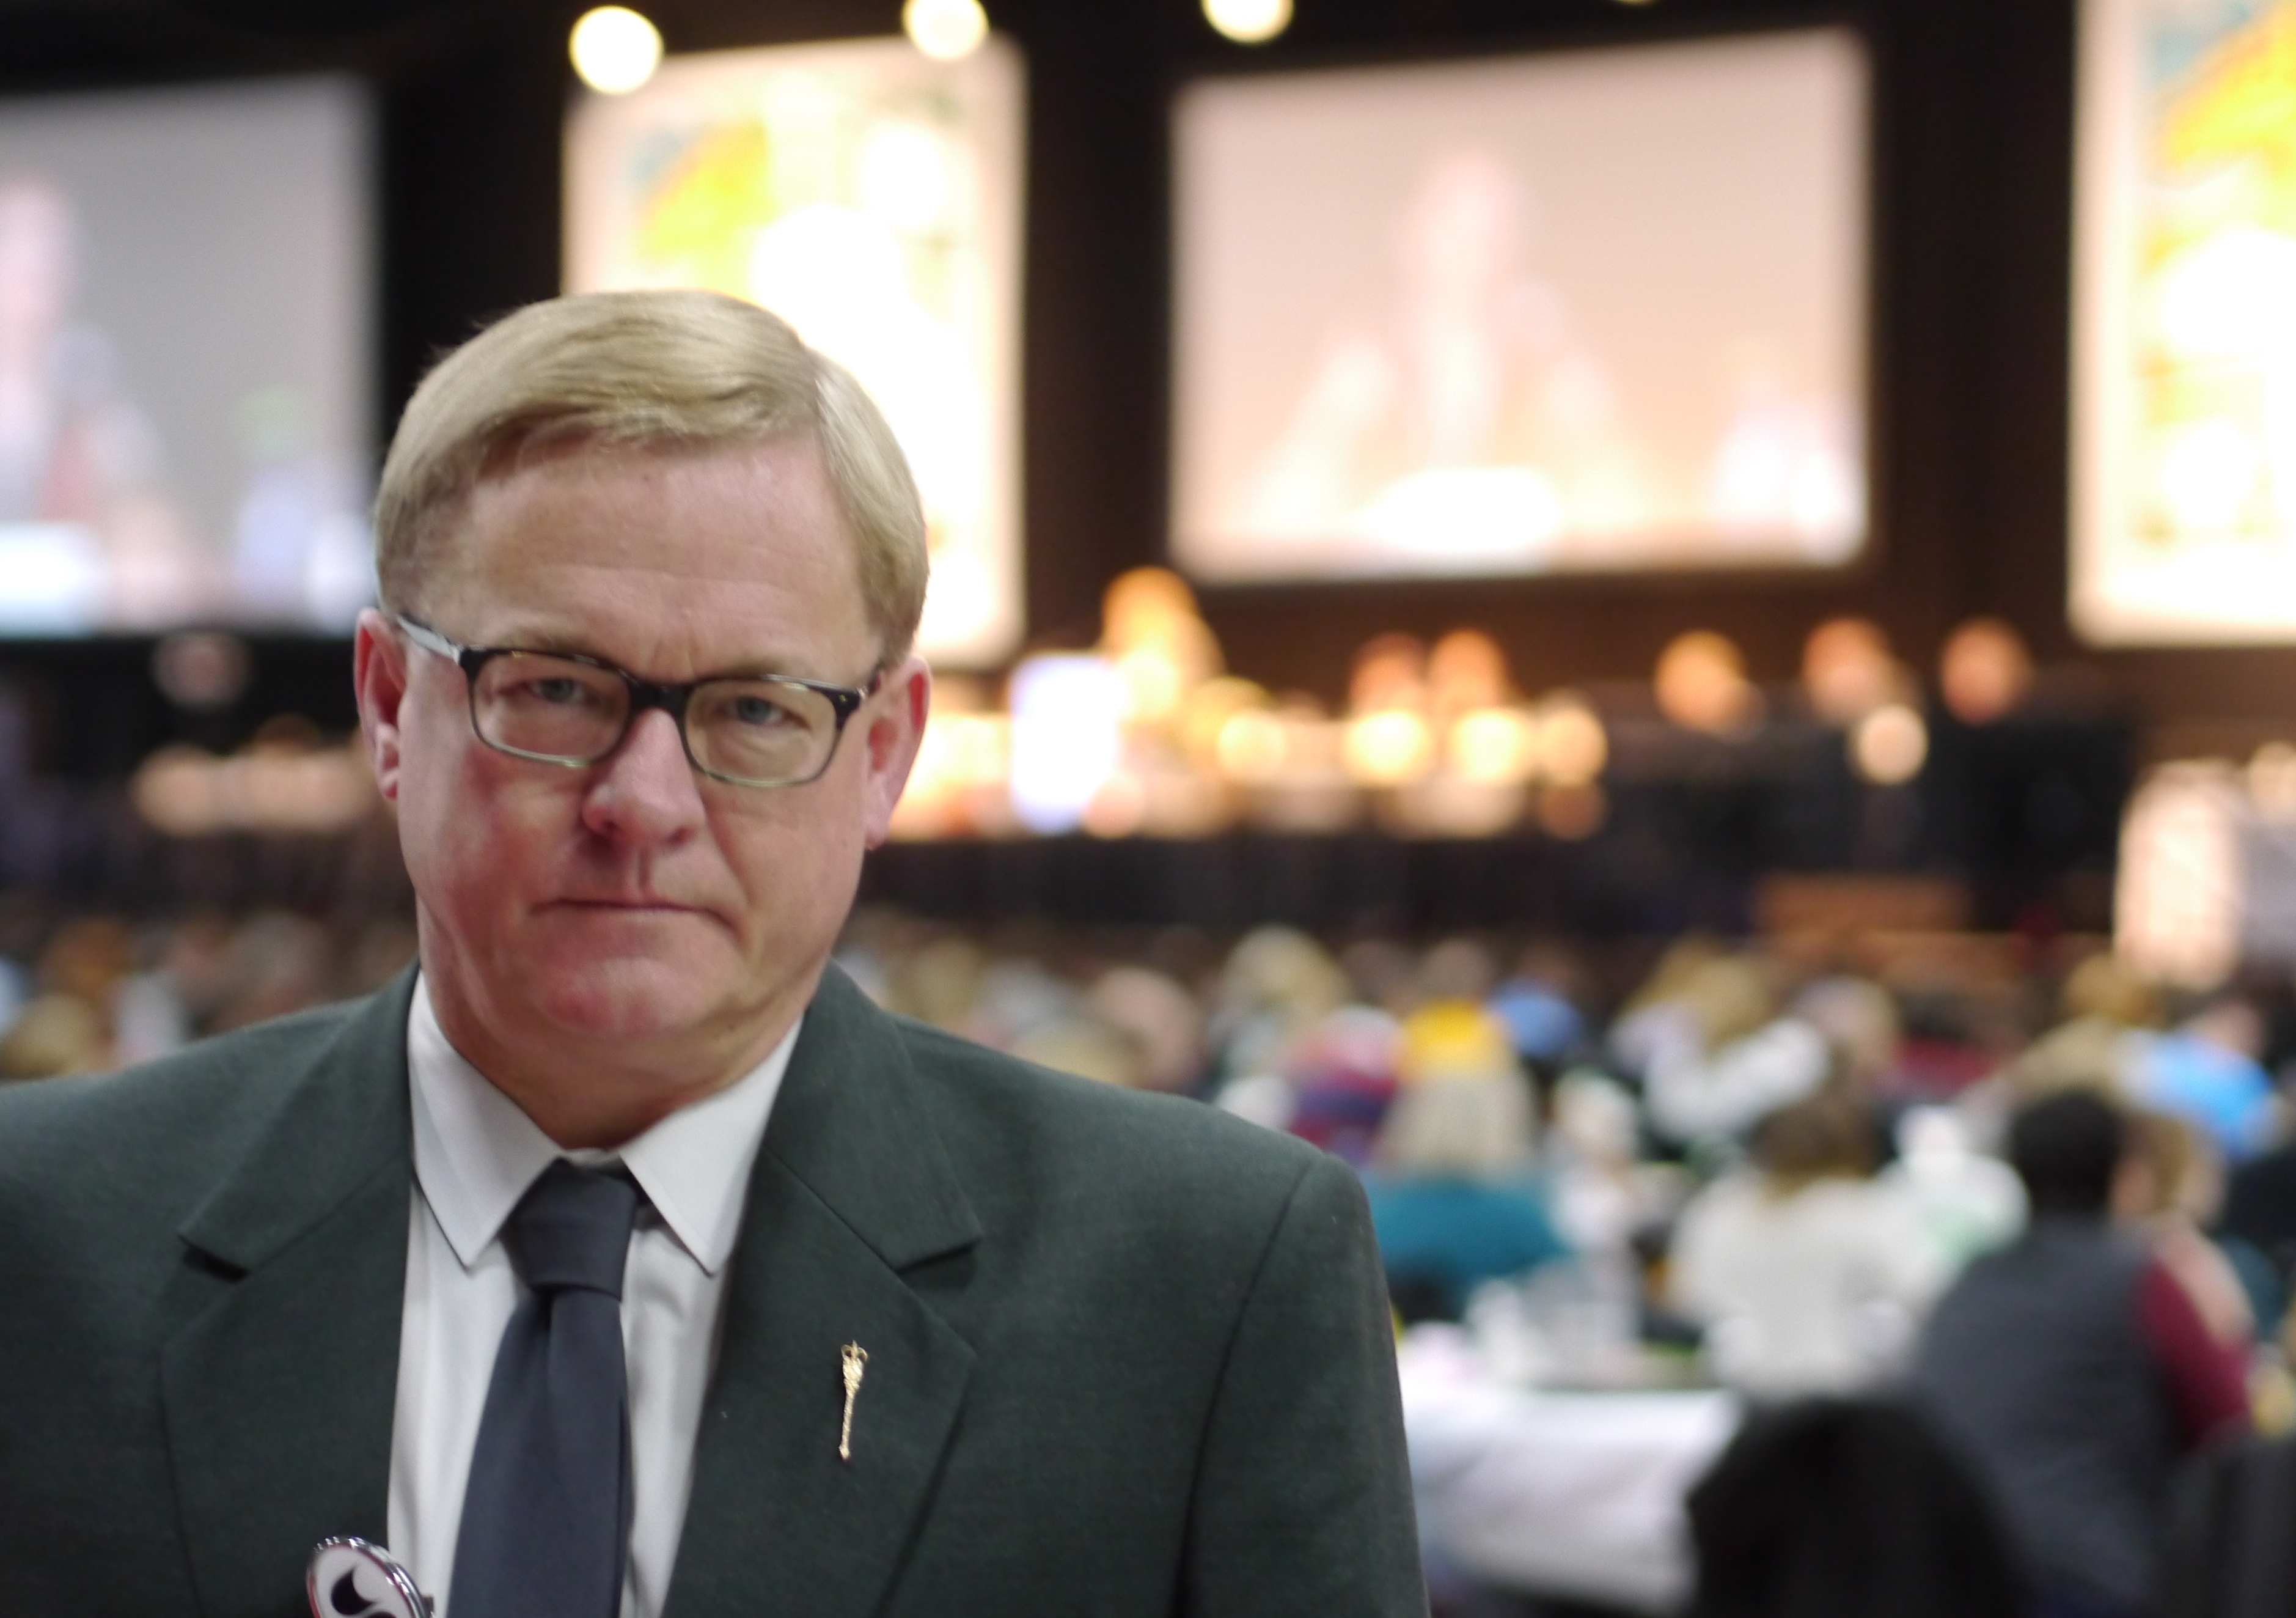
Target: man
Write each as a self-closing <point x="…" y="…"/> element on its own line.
<point x="2073" y="1370"/>
<point x="904" y="1327"/>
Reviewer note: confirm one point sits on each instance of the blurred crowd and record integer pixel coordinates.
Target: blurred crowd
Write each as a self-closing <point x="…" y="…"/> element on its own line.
<point x="1787" y="1159"/>
<point x="86" y="993"/>
<point x="1785" y="1168"/>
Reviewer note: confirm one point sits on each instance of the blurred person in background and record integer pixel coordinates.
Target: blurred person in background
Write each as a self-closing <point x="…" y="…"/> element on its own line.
<point x="1451" y="1197"/>
<point x="2169" y="1190"/>
<point x="1808" y="1276"/>
<point x="81" y="466"/>
<point x="1714" y="1053"/>
<point x="2074" y="1369"/>
<point x="2205" y="1070"/>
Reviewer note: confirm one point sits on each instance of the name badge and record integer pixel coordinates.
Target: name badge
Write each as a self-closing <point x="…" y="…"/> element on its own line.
<point x="349" y="1578"/>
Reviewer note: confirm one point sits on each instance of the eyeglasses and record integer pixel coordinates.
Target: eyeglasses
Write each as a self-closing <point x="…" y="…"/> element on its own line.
<point x="562" y="708"/>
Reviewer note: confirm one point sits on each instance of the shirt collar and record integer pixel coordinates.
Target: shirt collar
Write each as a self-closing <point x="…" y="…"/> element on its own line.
<point x="476" y="1152"/>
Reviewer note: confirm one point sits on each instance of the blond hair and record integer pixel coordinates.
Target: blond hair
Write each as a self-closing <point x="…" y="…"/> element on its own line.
<point x="648" y="370"/>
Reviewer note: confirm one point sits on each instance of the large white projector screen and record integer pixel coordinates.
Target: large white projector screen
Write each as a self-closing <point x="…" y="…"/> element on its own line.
<point x="2183" y="395"/>
<point x="186" y="358"/>
<point x="1600" y="311"/>
<point x="872" y="196"/>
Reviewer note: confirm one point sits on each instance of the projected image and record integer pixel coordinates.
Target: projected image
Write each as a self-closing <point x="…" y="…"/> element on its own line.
<point x="2183" y="510"/>
<point x="871" y="196"/>
<point x="183" y="366"/>
<point x="1594" y="311"/>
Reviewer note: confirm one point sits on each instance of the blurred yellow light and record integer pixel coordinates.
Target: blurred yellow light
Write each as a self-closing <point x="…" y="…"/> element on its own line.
<point x="1496" y="745"/>
<point x="945" y="29"/>
<point x="1702" y="684"/>
<point x="1466" y="671"/>
<point x="1153" y="685"/>
<point x="1250" y="748"/>
<point x="1249" y="22"/>
<point x="1890" y="745"/>
<point x="1573" y="746"/>
<point x="1847" y="669"/>
<point x="1141" y="603"/>
<point x="614" y="49"/>
<point x="1209" y="706"/>
<point x="1386" y="749"/>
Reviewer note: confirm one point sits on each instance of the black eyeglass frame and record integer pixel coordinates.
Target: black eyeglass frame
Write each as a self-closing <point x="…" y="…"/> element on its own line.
<point x="844" y="701"/>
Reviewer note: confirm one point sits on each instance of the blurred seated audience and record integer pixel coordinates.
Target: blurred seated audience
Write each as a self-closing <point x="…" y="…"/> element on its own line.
<point x="1966" y="1201"/>
<point x="1809" y="1275"/>
<point x="2074" y="1369"/>
<point x="1714" y="1054"/>
<point x="1451" y="1197"/>
<point x="2170" y="1189"/>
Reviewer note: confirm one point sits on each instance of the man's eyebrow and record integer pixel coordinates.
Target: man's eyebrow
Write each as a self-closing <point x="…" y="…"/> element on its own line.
<point x="752" y="666"/>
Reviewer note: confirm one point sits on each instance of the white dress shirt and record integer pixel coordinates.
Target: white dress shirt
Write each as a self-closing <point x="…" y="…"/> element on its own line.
<point x="475" y="1154"/>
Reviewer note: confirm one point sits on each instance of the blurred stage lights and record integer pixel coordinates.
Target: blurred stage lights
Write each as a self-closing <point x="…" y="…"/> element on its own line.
<point x="1249" y="22"/>
<point x="1890" y="745"/>
<point x="614" y="49"/>
<point x="945" y="29"/>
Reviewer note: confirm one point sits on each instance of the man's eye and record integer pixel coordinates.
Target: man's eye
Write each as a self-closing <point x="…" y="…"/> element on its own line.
<point x="760" y="713"/>
<point x="557" y="692"/>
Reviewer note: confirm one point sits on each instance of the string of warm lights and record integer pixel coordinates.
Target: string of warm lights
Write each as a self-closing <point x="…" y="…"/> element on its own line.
<point x="616" y="50"/>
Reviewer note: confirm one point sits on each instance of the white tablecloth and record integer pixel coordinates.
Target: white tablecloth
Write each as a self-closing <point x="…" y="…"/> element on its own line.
<point x="1562" y="1494"/>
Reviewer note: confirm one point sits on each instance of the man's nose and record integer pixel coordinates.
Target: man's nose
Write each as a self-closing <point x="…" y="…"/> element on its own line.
<point x="645" y="791"/>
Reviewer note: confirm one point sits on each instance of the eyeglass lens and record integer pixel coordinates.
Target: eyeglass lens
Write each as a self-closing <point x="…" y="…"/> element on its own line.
<point x="544" y="707"/>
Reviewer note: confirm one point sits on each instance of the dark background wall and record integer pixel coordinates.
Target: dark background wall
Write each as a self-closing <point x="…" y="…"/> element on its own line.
<point x="1973" y="169"/>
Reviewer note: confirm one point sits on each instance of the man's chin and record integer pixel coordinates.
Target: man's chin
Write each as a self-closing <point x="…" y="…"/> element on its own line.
<point x="630" y="1001"/>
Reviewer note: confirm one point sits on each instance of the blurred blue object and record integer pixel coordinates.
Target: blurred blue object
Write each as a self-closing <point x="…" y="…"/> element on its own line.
<point x="1540" y="1024"/>
<point x="2218" y="1090"/>
<point x="1442" y="1236"/>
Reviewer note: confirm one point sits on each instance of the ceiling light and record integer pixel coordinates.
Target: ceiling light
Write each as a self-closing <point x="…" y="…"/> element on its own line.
<point x="614" y="49"/>
<point x="945" y="29"/>
<point x="1249" y="22"/>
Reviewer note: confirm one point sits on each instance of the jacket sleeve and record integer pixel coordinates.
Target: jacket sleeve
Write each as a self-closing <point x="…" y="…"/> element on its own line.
<point x="1302" y="1503"/>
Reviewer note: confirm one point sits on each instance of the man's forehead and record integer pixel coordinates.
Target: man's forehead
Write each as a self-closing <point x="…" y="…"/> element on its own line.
<point x="747" y="565"/>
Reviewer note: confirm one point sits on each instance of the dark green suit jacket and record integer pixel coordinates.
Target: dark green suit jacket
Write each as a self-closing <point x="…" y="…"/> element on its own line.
<point x="1126" y="1355"/>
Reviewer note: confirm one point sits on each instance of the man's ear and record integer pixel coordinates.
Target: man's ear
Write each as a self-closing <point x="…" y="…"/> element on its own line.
<point x="378" y="674"/>
<point x="897" y="727"/>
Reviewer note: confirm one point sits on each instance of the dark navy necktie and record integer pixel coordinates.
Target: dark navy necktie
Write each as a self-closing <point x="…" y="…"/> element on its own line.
<point x="547" y="1517"/>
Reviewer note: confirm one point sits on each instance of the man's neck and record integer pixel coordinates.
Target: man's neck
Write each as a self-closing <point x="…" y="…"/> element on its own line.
<point x="588" y="1094"/>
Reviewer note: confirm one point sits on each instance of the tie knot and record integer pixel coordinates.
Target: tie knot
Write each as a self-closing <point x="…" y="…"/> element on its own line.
<point x="572" y="1228"/>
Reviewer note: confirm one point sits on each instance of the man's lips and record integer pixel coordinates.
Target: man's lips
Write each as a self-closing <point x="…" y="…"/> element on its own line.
<point x="639" y="905"/>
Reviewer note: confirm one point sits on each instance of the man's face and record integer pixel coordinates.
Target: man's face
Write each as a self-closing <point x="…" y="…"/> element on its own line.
<point x="633" y="913"/>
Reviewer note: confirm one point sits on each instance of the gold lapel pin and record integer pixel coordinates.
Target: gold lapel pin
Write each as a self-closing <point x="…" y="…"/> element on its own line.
<point x="857" y="1359"/>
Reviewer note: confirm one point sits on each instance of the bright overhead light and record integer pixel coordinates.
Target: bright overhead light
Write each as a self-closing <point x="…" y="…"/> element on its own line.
<point x="945" y="29"/>
<point x="1249" y="22"/>
<point x="614" y="49"/>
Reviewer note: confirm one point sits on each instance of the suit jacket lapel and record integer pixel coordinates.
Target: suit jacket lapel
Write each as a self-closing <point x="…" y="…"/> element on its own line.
<point x="279" y="1392"/>
<point x="852" y="1187"/>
